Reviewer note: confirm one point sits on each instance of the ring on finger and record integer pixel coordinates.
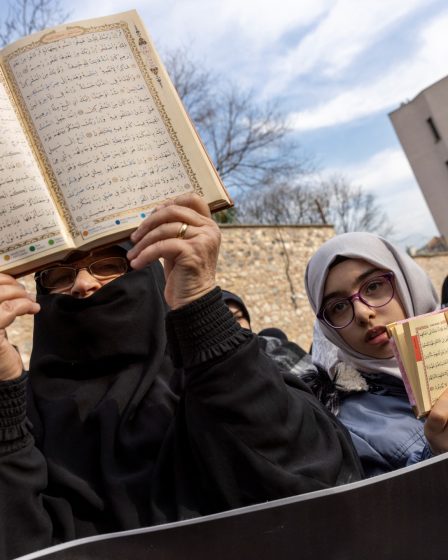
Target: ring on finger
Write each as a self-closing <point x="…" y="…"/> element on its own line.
<point x="182" y="230"/>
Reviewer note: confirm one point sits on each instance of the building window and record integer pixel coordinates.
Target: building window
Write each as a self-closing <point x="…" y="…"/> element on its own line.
<point x="434" y="130"/>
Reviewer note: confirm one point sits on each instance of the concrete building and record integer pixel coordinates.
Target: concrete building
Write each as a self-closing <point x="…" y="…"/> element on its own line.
<point x="422" y="128"/>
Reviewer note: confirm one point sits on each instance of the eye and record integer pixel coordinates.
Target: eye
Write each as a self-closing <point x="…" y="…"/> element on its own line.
<point x="104" y="268"/>
<point x="57" y="277"/>
<point x="338" y="307"/>
<point x="375" y="286"/>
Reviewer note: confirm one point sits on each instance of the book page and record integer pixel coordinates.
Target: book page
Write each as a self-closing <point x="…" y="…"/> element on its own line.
<point x="429" y="336"/>
<point x="29" y="222"/>
<point x="110" y="147"/>
<point x="410" y="380"/>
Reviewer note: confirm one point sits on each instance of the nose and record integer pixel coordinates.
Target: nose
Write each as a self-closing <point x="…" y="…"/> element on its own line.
<point x="363" y="313"/>
<point x="85" y="284"/>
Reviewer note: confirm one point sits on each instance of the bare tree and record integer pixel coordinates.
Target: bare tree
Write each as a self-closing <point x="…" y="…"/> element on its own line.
<point x="285" y="204"/>
<point x="27" y="16"/>
<point x="334" y="201"/>
<point x="249" y="143"/>
<point x="351" y="208"/>
<point x="194" y="83"/>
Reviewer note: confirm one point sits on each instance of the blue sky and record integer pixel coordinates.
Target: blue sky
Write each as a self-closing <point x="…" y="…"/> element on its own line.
<point x="337" y="67"/>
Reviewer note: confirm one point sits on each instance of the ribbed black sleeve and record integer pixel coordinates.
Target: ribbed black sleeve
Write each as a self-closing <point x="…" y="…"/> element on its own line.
<point x="13" y="430"/>
<point x="203" y="330"/>
<point x="25" y="524"/>
<point x="254" y="434"/>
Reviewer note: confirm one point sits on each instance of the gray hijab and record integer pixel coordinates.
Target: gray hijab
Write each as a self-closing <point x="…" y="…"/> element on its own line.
<point x="413" y="285"/>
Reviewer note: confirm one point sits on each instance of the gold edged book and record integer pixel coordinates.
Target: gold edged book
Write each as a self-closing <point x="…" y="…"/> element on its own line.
<point x="420" y="345"/>
<point x="93" y="136"/>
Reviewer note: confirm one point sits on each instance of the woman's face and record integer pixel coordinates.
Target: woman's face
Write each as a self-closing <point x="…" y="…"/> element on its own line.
<point x="109" y="263"/>
<point x="367" y="332"/>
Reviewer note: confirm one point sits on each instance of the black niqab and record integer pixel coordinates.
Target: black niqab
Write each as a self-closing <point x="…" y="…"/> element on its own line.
<point x="101" y="437"/>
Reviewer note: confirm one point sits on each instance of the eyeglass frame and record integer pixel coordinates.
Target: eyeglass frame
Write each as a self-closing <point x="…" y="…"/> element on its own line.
<point x="388" y="275"/>
<point x="77" y="270"/>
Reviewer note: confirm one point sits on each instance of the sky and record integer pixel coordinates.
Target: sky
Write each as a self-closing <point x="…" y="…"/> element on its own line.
<point x="335" y="67"/>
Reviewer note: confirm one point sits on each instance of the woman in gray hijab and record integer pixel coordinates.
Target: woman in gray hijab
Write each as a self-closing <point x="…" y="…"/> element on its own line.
<point x="357" y="283"/>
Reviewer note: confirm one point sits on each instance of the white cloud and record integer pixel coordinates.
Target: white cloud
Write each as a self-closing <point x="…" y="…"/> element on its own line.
<point x="86" y="9"/>
<point x="229" y="36"/>
<point x="401" y="82"/>
<point x="260" y="21"/>
<point x="349" y="28"/>
<point x="385" y="168"/>
<point x="250" y="21"/>
<point x="408" y="212"/>
<point x="388" y="176"/>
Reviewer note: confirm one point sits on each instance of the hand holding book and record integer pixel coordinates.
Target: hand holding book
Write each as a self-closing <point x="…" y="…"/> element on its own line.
<point x="420" y="345"/>
<point x="436" y="425"/>
<point x="183" y="233"/>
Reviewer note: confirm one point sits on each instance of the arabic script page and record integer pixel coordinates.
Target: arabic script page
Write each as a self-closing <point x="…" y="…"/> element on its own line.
<point x="29" y="222"/>
<point x="430" y="341"/>
<point x="90" y="91"/>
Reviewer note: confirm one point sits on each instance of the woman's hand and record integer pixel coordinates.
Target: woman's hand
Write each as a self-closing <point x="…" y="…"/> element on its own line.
<point x="14" y="302"/>
<point x="183" y="233"/>
<point x="436" y="425"/>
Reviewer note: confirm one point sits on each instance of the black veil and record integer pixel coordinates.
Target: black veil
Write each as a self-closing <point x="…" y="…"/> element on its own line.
<point x="109" y="427"/>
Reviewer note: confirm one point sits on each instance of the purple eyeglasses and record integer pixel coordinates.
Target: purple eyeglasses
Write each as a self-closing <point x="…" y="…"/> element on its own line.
<point x="378" y="291"/>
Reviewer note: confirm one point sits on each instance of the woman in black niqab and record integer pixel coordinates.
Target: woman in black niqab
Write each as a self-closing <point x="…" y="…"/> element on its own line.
<point x="125" y="435"/>
<point x="104" y="395"/>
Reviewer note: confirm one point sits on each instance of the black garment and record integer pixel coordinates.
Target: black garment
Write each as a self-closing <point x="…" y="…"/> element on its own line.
<point x="273" y="332"/>
<point x="444" y="293"/>
<point x="125" y="440"/>
<point x="288" y="355"/>
<point x="229" y="297"/>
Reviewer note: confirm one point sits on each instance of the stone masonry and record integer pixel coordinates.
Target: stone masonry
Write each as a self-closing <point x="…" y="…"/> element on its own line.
<point x="265" y="266"/>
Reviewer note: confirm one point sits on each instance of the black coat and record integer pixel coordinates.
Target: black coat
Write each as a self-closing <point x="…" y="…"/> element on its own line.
<point x="125" y="434"/>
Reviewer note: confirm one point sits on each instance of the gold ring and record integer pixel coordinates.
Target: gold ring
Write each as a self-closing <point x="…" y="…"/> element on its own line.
<point x="182" y="230"/>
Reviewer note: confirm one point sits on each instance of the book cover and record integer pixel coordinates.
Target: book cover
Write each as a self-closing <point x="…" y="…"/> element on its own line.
<point x="421" y="346"/>
<point x="95" y="136"/>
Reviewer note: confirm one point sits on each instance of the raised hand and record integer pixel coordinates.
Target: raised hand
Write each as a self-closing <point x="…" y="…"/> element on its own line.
<point x="183" y="233"/>
<point x="14" y="302"/>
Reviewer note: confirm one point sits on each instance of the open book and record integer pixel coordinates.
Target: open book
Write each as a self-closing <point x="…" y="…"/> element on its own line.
<point x="93" y="136"/>
<point x="420" y="345"/>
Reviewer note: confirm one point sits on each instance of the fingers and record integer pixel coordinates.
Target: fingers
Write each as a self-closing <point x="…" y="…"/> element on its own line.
<point x="183" y="233"/>
<point x="163" y="231"/>
<point x="169" y="225"/>
<point x="166" y="249"/>
<point x="190" y="209"/>
<point x="198" y="243"/>
<point x="14" y="301"/>
<point x="436" y="425"/>
<point x="193" y="201"/>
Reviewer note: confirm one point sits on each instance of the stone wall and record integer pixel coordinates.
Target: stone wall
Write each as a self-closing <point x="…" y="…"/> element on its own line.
<point x="265" y="266"/>
<point x="437" y="268"/>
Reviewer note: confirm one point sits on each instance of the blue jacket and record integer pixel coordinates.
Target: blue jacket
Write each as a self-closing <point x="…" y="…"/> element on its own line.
<point x="384" y="430"/>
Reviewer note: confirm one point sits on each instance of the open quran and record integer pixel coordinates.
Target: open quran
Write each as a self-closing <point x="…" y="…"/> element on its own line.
<point x="93" y="136"/>
<point x="420" y="345"/>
